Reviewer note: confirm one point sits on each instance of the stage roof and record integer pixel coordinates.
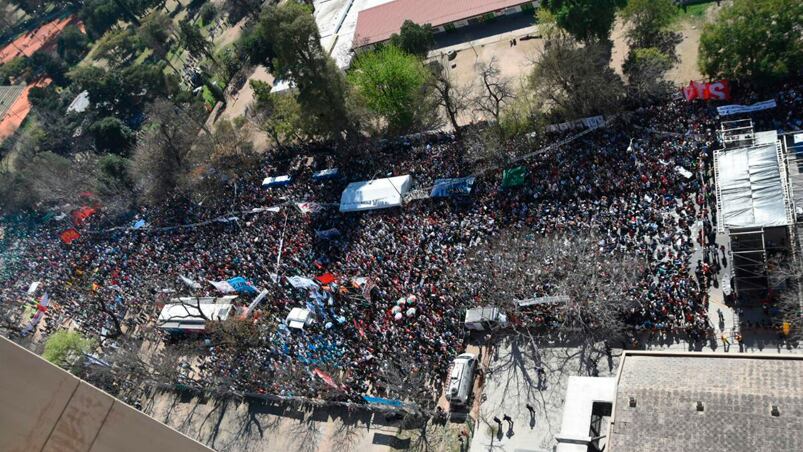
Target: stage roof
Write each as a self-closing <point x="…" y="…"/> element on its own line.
<point x="750" y="186"/>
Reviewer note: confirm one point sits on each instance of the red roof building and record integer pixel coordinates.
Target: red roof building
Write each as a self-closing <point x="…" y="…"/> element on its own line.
<point x="377" y="24"/>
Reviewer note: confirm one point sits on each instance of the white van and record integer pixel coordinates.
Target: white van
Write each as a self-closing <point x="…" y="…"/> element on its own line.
<point x="461" y="380"/>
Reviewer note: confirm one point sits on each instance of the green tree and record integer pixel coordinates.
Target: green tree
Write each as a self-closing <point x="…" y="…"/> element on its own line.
<point x="156" y="32"/>
<point x="277" y="114"/>
<point x="645" y="70"/>
<point x="63" y="348"/>
<point x="393" y="84"/>
<point x="576" y="81"/>
<point x="118" y="45"/>
<point x="413" y="38"/>
<point x="586" y="20"/>
<point x="191" y="38"/>
<point x="754" y="40"/>
<point x="237" y="9"/>
<point x="291" y="33"/>
<point x="112" y="135"/>
<point x="72" y="44"/>
<point x="648" y="26"/>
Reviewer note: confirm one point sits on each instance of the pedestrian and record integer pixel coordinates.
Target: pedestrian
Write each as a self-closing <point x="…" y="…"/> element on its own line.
<point x="508" y="419"/>
<point x="496" y="419"/>
<point x="530" y="408"/>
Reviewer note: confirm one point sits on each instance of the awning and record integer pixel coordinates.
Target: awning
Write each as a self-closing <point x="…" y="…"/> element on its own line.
<point x="375" y="194"/>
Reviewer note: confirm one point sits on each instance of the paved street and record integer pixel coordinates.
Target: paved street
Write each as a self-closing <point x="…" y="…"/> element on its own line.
<point x="513" y="382"/>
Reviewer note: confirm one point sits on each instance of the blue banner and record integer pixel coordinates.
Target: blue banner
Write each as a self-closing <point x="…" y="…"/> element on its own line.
<point x="381" y="401"/>
<point x="240" y="285"/>
<point x="330" y="173"/>
<point x="449" y="187"/>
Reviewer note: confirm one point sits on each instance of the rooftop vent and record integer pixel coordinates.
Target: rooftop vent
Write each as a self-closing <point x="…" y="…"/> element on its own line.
<point x="632" y="402"/>
<point x="774" y="411"/>
<point x="700" y="407"/>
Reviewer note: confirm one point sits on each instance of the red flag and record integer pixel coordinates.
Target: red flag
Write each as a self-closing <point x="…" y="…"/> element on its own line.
<point x="326" y="378"/>
<point x="79" y="215"/>
<point x="69" y="236"/>
<point x="326" y="278"/>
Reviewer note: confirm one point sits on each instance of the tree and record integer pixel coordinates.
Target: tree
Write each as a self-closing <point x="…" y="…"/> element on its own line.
<point x="118" y="45"/>
<point x="450" y="97"/>
<point x="393" y="84"/>
<point x="294" y="45"/>
<point x="277" y="114"/>
<point x="494" y="91"/>
<point x="646" y="19"/>
<point x="586" y="20"/>
<point x="645" y="69"/>
<point x="754" y="40"/>
<point x="191" y="38"/>
<point x="413" y="38"/>
<point x="520" y="265"/>
<point x="237" y="9"/>
<point x="576" y="81"/>
<point x="165" y="155"/>
<point x="72" y="44"/>
<point x="63" y="348"/>
<point x="112" y="135"/>
<point x="156" y="32"/>
<point x="55" y="179"/>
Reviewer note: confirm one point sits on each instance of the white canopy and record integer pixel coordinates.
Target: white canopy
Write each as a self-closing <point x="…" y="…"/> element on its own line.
<point x="375" y="194"/>
<point x="750" y="187"/>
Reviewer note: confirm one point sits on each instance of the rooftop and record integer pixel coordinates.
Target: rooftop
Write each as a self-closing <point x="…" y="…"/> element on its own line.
<point x="736" y="391"/>
<point x="43" y="407"/>
<point x="378" y="23"/>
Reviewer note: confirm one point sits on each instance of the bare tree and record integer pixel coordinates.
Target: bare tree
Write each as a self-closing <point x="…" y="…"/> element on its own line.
<point x="166" y="153"/>
<point x="594" y="286"/>
<point x="452" y="98"/>
<point x="494" y="91"/>
<point x="786" y="277"/>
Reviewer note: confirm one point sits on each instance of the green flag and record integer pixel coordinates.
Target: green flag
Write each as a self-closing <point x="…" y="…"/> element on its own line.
<point x="514" y="177"/>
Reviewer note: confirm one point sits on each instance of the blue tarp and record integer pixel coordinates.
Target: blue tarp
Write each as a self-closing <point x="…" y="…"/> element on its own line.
<point x="139" y="224"/>
<point x="382" y="401"/>
<point x="240" y="285"/>
<point x="449" y="187"/>
<point x="278" y="181"/>
<point x="330" y="173"/>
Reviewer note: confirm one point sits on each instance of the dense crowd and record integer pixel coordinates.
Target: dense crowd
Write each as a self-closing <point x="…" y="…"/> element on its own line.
<point x="642" y="184"/>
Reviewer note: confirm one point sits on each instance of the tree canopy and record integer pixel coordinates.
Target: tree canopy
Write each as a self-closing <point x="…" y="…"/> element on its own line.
<point x="392" y="83"/>
<point x="648" y="19"/>
<point x="288" y="35"/>
<point x="413" y="38"/>
<point x="64" y="347"/>
<point x="586" y="20"/>
<point x="754" y="40"/>
<point x="576" y="81"/>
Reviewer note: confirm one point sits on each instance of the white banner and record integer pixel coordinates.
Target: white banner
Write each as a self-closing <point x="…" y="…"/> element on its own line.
<point x="222" y="286"/>
<point x="256" y="301"/>
<point x="190" y="283"/>
<point x="299" y="282"/>
<point x="728" y="110"/>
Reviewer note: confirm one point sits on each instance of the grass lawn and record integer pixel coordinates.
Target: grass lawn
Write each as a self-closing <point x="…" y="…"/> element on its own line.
<point x="695" y="11"/>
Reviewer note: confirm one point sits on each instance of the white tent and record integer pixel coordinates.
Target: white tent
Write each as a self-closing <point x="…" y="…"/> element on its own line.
<point x="750" y="187"/>
<point x="375" y="194"/>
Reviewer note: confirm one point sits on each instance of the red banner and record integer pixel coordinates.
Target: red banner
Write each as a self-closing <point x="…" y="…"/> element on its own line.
<point x="69" y="236"/>
<point x="326" y="278"/>
<point x="719" y="90"/>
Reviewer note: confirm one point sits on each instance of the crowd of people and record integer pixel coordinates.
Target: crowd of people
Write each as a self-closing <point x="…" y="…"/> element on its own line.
<point x="390" y="322"/>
